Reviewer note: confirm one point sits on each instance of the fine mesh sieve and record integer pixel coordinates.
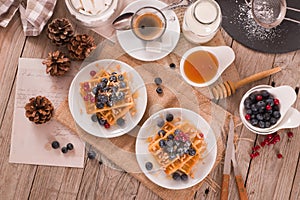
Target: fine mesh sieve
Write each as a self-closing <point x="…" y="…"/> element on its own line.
<point x="270" y="13"/>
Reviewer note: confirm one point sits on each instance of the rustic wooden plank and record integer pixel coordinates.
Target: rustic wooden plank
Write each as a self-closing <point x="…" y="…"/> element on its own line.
<point x="12" y="40"/>
<point x="295" y="192"/>
<point x="273" y="177"/>
<point x="16" y="179"/>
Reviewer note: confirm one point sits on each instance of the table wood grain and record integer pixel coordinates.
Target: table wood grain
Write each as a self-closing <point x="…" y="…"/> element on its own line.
<point x="266" y="177"/>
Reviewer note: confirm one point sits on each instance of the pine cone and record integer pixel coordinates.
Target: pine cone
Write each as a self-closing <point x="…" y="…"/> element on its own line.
<point x="39" y="109"/>
<point x="57" y="63"/>
<point x="60" y="31"/>
<point x="81" y="46"/>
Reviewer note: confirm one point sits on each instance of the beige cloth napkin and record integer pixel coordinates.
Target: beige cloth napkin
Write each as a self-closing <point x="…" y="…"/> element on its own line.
<point x="34" y="14"/>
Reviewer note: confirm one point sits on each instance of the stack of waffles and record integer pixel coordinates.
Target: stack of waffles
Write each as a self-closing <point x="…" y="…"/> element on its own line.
<point x="179" y="148"/>
<point x="108" y="96"/>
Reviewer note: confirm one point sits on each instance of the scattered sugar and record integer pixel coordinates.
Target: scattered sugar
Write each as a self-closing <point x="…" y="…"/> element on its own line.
<point x="253" y="30"/>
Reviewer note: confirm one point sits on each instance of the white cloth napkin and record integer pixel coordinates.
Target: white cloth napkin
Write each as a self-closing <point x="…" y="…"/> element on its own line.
<point x="34" y="14"/>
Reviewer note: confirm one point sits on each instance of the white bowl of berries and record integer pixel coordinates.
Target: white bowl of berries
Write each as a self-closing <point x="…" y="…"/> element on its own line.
<point x="263" y="107"/>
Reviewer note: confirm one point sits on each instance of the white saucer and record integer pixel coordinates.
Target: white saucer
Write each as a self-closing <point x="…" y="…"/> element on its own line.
<point x="136" y="48"/>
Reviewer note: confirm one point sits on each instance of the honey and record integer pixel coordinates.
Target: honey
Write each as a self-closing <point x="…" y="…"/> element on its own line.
<point x="200" y="66"/>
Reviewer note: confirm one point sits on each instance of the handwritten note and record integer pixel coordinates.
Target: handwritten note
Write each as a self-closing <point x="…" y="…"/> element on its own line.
<point x="31" y="143"/>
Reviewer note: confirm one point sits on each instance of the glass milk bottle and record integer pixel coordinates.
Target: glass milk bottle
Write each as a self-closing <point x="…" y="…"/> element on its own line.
<point x="201" y="21"/>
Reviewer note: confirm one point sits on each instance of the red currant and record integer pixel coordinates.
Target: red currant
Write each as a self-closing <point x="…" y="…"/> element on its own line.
<point x="263" y="143"/>
<point x="247" y="117"/>
<point x="259" y="98"/>
<point x="255" y="148"/>
<point x="276" y="101"/>
<point x="268" y="107"/>
<point x="290" y="134"/>
<point x="279" y="156"/>
<point x="106" y="125"/>
<point x="93" y="73"/>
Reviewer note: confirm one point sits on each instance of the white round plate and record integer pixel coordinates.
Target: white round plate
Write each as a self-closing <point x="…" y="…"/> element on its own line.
<point x="157" y="175"/>
<point x="77" y="107"/>
<point x="137" y="48"/>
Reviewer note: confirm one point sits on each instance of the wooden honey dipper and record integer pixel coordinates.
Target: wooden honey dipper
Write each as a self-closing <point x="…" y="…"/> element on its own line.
<point x="228" y="88"/>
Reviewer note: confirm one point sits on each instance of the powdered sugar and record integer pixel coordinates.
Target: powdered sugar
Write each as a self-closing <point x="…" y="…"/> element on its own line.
<point x="252" y="29"/>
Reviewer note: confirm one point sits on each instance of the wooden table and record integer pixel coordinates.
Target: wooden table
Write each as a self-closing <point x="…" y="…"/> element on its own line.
<point x="266" y="177"/>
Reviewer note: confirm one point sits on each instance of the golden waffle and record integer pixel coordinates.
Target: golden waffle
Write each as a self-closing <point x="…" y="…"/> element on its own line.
<point x="185" y="162"/>
<point x="119" y="108"/>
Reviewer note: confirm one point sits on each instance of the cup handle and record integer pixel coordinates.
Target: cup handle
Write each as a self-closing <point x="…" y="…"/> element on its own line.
<point x="248" y="2"/>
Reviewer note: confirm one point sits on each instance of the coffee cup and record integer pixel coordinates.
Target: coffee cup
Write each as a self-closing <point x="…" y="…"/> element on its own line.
<point x="148" y="23"/>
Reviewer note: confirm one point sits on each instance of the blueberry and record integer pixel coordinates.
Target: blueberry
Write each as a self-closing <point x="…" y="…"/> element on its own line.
<point x="267" y="116"/>
<point x="121" y="77"/>
<point x="95" y="90"/>
<point x="253" y="116"/>
<point x="247" y="102"/>
<point x="70" y="146"/>
<point x="161" y="133"/>
<point x="172" y="156"/>
<point x="261" y="124"/>
<point x="149" y="166"/>
<point x="252" y="96"/>
<point x="276" y="114"/>
<point x="114" y="73"/>
<point x="184" y="177"/>
<point x="267" y="124"/>
<point x="265" y="94"/>
<point x="169" y="117"/>
<point x="254" y="108"/>
<point x="273" y="120"/>
<point x="122" y="84"/>
<point x="160" y="122"/>
<point x="121" y="95"/>
<point x="192" y="151"/>
<point x="260" y="117"/>
<point x="261" y="110"/>
<point x="100" y="105"/>
<point x="104" y="80"/>
<point x="159" y="90"/>
<point x="162" y="143"/>
<point x="55" y="145"/>
<point x="109" y="103"/>
<point x="261" y="104"/>
<point x="170" y="137"/>
<point x="180" y="151"/>
<point x="115" y="89"/>
<point x="177" y="131"/>
<point x="270" y="101"/>
<point x="176" y="176"/>
<point x="276" y="108"/>
<point x="102" y="98"/>
<point x="101" y="85"/>
<point x="254" y="122"/>
<point x="169" y="143"/>
<point x="157" y="81"/>
<point x="270" y="111"/>
<point x="91" y="155"/>
<point x="64" y="149"/>
<point x="120" y="122"/>
<point x="101" y="121"/>
<point x="249" y="111"/>
<point x="113" y="78"/>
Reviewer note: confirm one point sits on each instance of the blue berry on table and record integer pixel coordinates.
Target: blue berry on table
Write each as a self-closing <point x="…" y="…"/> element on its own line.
<point x="176" y="176"/>
<point x="191" y="151"/>
<point x="158" y="81"/>
<point x="91" y="155"/>
<point x="113" y="78"/>
<point x="64" y="149"/>
<point x="70" y="146"/>
<point x="159" y="90"/>
<point x="184" y="177"/>
<point x="169" y="117"/>
<point x="105" y="80"/>
<point x="170" y="137"/>
<point x="172" y="65"/>
<point x="121" y="77"/>
<point x="102" y="121"/>
<point x="149" y="166"/>
<point x="55" y="144"/>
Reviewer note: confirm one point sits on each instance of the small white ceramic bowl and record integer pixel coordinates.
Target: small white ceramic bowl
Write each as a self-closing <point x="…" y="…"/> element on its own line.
<point x="224" y="54"/>
<point x="281" y="93"/>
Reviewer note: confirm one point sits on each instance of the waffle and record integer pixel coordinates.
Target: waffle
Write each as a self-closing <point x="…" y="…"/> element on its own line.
<point x="109" y="113"/>
<point x="182" y="162"/>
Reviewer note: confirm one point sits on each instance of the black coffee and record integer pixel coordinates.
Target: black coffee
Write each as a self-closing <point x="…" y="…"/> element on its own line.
<point x="148" y="26"/>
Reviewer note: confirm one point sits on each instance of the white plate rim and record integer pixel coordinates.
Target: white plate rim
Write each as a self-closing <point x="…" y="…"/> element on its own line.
<point x="164" y="53"/>
<point x="182" y="186"/>
<point x="124" y="66"/>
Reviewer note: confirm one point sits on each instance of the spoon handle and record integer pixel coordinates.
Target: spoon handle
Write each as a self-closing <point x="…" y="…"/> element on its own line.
<point x="179" y="4"/>
<point x="256" y="77"/>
